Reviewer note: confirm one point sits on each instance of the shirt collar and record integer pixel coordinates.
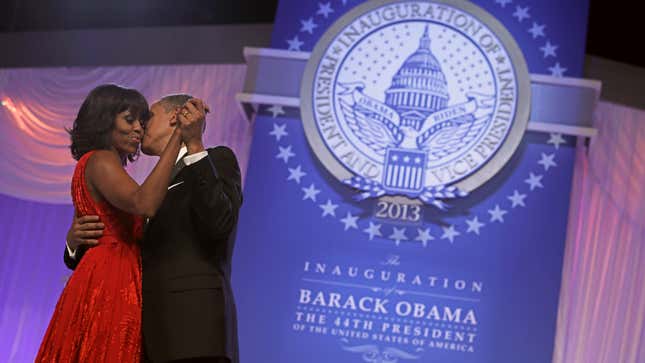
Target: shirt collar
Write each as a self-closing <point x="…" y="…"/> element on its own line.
<point x="181" y="154"/>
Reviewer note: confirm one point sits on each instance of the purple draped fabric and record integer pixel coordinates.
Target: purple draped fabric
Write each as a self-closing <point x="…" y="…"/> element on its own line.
<point x="32" y="273"/>
<point x="602" y="300"/>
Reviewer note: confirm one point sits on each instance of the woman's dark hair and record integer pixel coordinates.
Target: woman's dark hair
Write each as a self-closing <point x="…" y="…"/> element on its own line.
<point x="95" y="120"/>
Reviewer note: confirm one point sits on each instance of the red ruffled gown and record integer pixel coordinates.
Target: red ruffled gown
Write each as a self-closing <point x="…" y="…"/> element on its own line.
<point x="98" y="315"/>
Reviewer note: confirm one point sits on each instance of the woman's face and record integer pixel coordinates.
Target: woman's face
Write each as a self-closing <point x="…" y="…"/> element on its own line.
<point x="127" y="133"/>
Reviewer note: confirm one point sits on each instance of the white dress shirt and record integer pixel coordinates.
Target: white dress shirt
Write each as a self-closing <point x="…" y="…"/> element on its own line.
<point x="188" y="160"/>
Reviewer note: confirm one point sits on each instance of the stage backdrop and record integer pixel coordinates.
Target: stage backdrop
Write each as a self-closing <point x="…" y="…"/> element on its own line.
<point x="466" y="267"/>
<point x="602" y="304"/>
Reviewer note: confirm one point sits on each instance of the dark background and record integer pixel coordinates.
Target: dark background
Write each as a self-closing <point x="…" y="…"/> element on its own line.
<point x="611" y="26"/>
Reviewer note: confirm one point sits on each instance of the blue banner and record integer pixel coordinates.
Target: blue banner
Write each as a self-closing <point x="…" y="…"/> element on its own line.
<point x="403" y="213"/>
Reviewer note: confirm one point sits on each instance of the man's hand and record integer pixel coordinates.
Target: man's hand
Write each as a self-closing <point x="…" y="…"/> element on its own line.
<point x="84" y="231"/>
<point x="191" y="119"/>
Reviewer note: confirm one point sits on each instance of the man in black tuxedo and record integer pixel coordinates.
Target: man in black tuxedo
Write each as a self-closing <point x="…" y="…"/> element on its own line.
<point x="188" y="307"/>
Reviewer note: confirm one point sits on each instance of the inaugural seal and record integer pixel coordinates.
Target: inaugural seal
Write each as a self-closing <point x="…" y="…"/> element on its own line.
<point x="422" y="99"/>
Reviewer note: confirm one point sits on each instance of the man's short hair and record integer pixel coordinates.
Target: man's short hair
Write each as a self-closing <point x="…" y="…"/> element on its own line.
<point x="173" y="101"/>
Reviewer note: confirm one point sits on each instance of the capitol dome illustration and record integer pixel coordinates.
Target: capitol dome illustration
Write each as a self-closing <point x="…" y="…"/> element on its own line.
<point x="419" y="88"/>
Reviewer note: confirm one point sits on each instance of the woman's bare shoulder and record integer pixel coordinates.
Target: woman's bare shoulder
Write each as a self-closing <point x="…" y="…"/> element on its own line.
<point x="103" y="161"/>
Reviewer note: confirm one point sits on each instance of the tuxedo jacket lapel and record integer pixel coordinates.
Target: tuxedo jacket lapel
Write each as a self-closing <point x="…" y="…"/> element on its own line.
<point x="176" y="169"/>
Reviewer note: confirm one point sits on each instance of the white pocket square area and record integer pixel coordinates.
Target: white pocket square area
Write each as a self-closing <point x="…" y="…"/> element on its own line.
<point x="174" y="185"/>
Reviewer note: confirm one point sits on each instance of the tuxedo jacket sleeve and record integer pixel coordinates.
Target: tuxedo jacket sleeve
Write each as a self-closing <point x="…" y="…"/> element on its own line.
<point x="216" y="192"/>
<point x="70" y="262"/>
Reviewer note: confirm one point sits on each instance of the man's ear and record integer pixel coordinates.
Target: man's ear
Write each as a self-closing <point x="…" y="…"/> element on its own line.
<point x="173" y="119"/>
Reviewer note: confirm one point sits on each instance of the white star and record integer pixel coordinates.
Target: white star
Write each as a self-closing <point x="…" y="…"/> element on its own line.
<point x="424" y="236"/>
<point x="308" y="25"/>
<point x="450" y="233"/>
<point x="285" y="153"/>
<point x="276" y="110"/>
<point x="534" y="181"/>
<point x="537" y="30"/>
<point x="398" y="235"/>
<point x="350" y="221"/>
<point x="324" y="9"/>
<point x="474" y="225"/>
<point x="517" y="199"/>
<point x="310" y="193"/>
<point x="521" y="13"/>
<point x="295" y="43"/>
<point x="547" y="161"/>
<point x="497" y="214"/>
<point x="373" y="230"/>
<point x="296" y="174"/>
<point x="329" y="208"/>
<point x="557" y="70"/>
<point x="549" y="49"/>
<point x="503" y="3"/>
<point x="556" y="140"/>
<point x="279" y="131"/>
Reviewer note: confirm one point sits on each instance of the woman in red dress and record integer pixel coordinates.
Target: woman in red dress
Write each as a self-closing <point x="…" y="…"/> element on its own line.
<point x="98" y="315"/>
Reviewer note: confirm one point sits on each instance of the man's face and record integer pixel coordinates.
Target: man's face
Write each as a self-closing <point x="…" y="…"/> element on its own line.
<point x="158" y="129"/>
